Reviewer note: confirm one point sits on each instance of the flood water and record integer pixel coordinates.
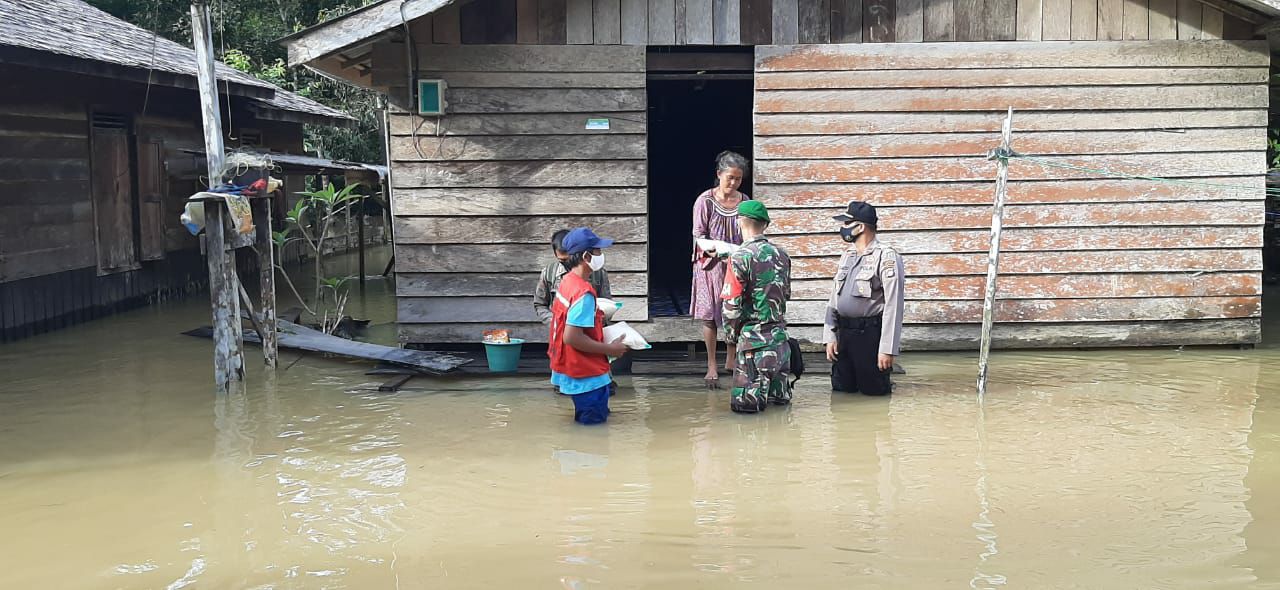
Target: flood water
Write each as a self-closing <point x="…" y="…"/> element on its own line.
<point x="119" y="468"/>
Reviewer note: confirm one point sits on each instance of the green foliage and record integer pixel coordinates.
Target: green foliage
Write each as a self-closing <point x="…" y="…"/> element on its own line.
<point x="245" y="33"/>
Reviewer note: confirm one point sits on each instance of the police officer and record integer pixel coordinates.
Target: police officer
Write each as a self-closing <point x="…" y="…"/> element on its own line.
<point x="864" y="314"/>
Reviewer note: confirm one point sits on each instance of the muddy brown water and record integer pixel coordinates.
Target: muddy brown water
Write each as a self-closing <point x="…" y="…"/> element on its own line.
<point x="119" y="468"/>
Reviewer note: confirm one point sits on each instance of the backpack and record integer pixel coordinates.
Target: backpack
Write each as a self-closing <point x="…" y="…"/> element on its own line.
<point x="797" y="360"/>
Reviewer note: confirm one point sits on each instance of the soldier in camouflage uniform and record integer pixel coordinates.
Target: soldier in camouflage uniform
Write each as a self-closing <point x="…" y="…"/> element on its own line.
<point x="755" y="295"/>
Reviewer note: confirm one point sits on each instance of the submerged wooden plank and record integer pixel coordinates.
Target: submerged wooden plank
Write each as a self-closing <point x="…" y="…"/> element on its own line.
<point x="929" y="194"/>
<point x="1006" y="55"/>
<point x="1028" y="239"/>
<point x="939" y="20"/>
<point x="503" y="258"/>
<point x="298" y="337"/>
<point x="516" y="124"/>
<point x="513" y="284"/>
<point x="872" y="123"/>
<point x="514" y="230"/>
<point x="1008" y="78"/>
<point x="417" y="310"/>
<point x="962" y="169"/>
<point x="527" y="147"/>
<point x="533" y="201"/>
<point x="1073" y="262"/>
<point x="977" y="144"/>
<point x="995" y="99"/>
<point x="566" y="174"/>
<point x="1233" y="213"/>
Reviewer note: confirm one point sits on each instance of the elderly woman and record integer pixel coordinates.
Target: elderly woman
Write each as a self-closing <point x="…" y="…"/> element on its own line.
<point x="715" y="213"/>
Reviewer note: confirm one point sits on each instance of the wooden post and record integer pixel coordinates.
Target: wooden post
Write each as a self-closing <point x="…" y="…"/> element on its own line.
<point x="224" y="288"/>
<point x="360" y="238"/>
<point x="266" y="280"/>
<point x="224" y="295"/>
<point x="1001" y="156"/>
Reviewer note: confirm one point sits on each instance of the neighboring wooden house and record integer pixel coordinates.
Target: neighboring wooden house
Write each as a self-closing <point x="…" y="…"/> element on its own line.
<point x="893" y="101"/>
<point x="95" y="115"/>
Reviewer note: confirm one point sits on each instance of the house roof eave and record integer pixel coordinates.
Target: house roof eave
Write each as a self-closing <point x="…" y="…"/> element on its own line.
<point x="355" y="27"/>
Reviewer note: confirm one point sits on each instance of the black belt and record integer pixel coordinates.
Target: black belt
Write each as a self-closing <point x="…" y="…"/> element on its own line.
<point x="858" y="323"/>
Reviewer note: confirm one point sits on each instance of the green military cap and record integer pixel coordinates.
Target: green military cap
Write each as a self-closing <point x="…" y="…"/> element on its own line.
<point x="754" y="210"/>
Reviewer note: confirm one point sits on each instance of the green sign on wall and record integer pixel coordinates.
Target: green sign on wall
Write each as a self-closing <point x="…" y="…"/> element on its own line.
<point x="431" y="97"/>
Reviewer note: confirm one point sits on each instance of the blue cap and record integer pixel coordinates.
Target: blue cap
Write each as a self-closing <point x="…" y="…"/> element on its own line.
<point x="583" y="239"/>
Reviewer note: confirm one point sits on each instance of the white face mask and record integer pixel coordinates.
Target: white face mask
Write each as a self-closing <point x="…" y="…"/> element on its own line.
<point x="597" y="262"/>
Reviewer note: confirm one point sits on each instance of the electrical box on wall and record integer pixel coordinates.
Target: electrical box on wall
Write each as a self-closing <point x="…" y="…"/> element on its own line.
<point x="431" y="97"/>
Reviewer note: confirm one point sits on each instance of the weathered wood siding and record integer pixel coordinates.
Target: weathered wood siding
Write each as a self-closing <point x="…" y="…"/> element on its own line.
<point x="478" y="193"/>
<point x="764" y="22"/>
<point x="907" y="127"/>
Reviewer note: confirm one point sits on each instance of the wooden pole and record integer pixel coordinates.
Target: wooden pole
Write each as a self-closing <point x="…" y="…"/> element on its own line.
<point x="228" y="348"/>
<point x="1001" y="156"/>
<point x="266" y="280"/>
<point x="360" y="239"/>
<point x="228" y="344"/>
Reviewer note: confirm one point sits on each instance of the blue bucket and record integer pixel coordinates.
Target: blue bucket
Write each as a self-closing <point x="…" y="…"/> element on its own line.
<point x="503" y="357"/>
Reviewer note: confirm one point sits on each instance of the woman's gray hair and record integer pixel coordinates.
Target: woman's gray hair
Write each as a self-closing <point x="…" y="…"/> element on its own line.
<point x="729" y="159"/>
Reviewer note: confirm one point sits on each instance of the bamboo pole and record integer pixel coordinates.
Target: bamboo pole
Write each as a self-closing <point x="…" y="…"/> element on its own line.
<point x="1001" y="156"/>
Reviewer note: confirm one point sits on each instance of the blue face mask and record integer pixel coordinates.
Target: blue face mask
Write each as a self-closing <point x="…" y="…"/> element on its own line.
<point x="847" y="234"/>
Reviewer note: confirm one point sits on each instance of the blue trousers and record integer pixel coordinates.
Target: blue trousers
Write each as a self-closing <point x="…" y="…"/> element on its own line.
<point x="591" y="407"/>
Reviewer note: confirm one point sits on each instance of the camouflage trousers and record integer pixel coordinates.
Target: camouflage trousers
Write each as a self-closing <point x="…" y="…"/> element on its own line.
<point x="761" y="378"/>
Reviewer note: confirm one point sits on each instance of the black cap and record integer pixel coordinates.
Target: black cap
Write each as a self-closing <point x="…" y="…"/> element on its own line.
<point x="858" y="211"/>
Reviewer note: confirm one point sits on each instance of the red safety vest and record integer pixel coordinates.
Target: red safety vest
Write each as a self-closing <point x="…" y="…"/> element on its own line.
<point x="566" y="359"/>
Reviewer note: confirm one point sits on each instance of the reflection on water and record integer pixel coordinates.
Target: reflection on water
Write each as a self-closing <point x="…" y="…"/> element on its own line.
<point x="1121" y="469"/>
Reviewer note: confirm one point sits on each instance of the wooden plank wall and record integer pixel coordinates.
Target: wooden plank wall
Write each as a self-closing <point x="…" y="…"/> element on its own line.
<point x="477" y="194"/>
<point x="1089" y="256"/>
<point x="783" y="22"/>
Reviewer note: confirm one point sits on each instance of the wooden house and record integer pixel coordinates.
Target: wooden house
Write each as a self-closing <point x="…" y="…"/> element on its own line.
<point x="100" y="143"/>
<point x="608" y="113"/>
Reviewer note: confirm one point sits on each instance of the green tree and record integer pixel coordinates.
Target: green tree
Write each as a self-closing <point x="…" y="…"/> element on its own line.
<point x="245" y="34"/>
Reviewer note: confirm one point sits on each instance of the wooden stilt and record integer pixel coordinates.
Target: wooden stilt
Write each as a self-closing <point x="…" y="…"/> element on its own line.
<point x="228" y="346"/>
<point x="266" y="280"/>
<point x="1001" y="156"/>
<point x="360" y="239"/>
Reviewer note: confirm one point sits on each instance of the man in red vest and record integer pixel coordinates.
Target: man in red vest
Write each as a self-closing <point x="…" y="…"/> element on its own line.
<point x="579" y="354"/>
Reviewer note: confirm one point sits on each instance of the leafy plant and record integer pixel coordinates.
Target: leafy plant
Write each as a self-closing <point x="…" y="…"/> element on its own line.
<point x="311" y="219"/>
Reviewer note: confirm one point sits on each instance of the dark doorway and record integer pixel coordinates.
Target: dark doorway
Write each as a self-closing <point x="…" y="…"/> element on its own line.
<point x="692" y="118"/>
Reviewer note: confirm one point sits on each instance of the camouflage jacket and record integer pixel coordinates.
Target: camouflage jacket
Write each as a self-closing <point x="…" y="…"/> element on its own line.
<point x="549" y="281"/>
<point x="756" y="289"/>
